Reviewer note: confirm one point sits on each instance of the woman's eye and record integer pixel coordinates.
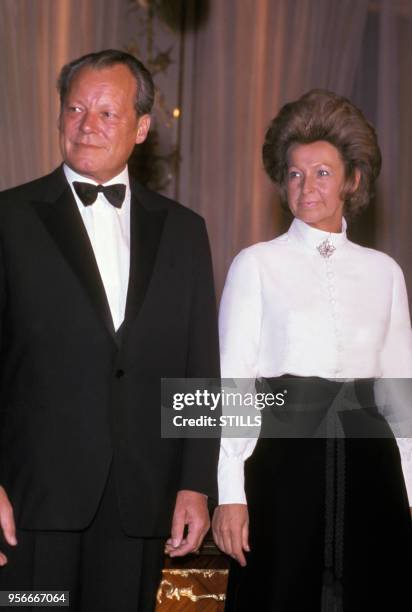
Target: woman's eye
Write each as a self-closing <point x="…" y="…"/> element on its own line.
<point x="323" y="172"/>
<point x="294" y="174"/>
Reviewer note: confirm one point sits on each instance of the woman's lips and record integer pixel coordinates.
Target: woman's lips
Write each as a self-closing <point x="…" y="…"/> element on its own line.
<point x="309" y="204"/>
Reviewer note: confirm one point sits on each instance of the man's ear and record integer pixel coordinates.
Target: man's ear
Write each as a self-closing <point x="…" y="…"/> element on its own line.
<point x="143" y="126"/>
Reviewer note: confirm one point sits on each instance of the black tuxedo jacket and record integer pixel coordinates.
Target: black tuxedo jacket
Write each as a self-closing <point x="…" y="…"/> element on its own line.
<point x="75" y="395"/>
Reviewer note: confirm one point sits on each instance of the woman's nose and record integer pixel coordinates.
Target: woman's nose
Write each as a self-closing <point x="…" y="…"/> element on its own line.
<point x="308" y="183"/>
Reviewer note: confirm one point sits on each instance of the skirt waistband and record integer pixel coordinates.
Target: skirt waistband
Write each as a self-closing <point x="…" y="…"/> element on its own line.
<point x="318" y="407"/>
<point x="320" y="390"/>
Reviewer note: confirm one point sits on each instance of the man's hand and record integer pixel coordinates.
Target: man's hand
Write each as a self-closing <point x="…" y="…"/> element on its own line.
<point x="7" y="525"/>
<point x="230" y="527"/>
<point x="191" y="510"/>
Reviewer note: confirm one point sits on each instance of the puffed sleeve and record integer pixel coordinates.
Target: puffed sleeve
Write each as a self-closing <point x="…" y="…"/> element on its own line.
<point x="396" y="363"/>
<point x="396" y="358"/>
<point x="239" y="330"/>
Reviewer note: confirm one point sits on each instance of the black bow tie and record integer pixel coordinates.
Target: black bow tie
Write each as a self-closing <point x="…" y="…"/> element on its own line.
<point x="88" y="193"/>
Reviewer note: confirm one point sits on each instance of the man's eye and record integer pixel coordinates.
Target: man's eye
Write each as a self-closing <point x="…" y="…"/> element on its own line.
<point x="74" y="109"/>
<point x="107" y="114"/>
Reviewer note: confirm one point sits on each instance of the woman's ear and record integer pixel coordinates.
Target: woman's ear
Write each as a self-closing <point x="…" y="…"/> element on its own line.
<point x="356" y="180"/>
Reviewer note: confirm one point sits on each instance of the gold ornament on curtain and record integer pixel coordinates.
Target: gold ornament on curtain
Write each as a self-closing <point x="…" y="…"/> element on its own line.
<point x="156" y="162"/>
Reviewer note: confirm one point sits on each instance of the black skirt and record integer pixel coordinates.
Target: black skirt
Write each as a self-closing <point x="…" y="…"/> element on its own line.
<point x="330" y="526"/>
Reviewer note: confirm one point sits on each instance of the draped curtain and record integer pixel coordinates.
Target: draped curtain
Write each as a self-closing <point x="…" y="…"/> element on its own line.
<point x="248" y="60"/>
<point x="239" y="66"/>
<point x="36" y="39"/>
<point x="394" y="123"/>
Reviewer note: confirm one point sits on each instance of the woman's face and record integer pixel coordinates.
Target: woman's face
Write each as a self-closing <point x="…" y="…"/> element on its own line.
<point x="315" y="181"/>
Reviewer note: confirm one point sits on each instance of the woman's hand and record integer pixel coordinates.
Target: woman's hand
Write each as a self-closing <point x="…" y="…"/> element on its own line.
<point x="230" y="528"/>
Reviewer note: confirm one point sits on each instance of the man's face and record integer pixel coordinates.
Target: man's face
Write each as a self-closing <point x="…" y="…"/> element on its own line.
<point x="98" y="123"/>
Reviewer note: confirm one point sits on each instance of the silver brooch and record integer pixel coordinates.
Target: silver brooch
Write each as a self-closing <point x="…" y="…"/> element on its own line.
<point x="326" y="248"/>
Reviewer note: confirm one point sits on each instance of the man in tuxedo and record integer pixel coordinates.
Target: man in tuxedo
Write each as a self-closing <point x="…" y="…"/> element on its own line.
<point x="105" y="288"/>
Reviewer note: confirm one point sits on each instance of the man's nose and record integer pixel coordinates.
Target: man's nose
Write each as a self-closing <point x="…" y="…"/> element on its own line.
<point x="89" y="122"/>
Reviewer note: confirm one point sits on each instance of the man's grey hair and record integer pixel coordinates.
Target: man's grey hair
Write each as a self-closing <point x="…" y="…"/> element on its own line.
<point x="104" y="59"/>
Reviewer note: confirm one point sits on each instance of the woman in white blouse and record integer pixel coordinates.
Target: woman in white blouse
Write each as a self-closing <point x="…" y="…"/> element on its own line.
<point x="317" y="525"/>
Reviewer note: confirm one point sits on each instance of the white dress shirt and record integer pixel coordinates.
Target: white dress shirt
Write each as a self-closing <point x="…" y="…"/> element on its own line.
<point x="108" y="229"/>
<point x="286" y="309"/>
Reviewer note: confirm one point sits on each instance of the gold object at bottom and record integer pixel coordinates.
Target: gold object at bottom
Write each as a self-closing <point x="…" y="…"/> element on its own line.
<point x="178" y="584"/>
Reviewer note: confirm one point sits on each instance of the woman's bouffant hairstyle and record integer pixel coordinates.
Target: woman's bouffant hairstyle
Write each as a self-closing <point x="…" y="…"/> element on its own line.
<point x="323" y="115"/>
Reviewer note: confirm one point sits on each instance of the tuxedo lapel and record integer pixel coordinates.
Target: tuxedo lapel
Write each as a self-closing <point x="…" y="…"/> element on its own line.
<point x="146" y="226"/>
<point x="64" y="223"/>
<point x="57" y="210"/>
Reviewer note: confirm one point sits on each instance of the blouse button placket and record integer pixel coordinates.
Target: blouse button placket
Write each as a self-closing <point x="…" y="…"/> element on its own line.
<point x="334" y="308"/>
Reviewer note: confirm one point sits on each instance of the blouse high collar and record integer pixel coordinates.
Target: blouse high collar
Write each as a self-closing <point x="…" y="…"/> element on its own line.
<point x="313" y="237"/>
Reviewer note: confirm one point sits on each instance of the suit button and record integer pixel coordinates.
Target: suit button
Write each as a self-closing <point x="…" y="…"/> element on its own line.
<point x="119" y="373"/>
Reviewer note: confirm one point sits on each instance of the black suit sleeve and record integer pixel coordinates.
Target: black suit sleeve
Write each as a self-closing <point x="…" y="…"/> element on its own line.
<point x="200" y="455"/>
<point x="2" y="309"/>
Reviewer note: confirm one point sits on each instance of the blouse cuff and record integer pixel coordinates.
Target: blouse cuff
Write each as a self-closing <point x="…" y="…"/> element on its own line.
<point x="405" y="448"/>
<point x="231" y="480"/>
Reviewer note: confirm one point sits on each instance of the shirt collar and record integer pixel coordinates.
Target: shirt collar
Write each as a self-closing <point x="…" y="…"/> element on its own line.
<point x="122" y="177"/>
<point x="313" y="237"/>
<point x="71" y="176"/>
